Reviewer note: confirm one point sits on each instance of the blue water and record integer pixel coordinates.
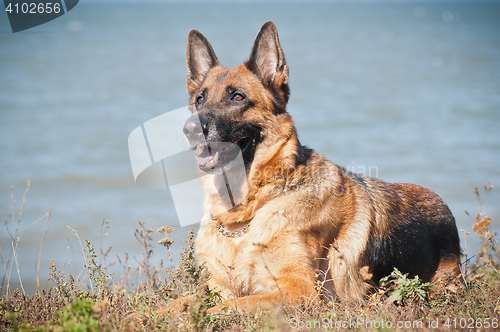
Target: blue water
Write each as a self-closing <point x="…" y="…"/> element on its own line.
<point x="407" y="92"/>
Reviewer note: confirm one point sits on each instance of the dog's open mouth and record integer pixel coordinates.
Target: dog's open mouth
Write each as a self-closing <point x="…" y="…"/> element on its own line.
<point x="219" y="154"/>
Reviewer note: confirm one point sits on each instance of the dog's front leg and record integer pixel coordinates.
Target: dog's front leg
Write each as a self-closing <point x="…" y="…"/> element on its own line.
<point x="176" y="307"/>
<point x="248" y="304"/>
<point x="252" y="303"/>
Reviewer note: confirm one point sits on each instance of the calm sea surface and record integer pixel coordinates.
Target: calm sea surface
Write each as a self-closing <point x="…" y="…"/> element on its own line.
<point x="403" y="92"/>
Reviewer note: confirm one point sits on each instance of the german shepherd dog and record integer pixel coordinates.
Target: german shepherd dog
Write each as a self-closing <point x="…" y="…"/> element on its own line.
<point x="303" y="221"/>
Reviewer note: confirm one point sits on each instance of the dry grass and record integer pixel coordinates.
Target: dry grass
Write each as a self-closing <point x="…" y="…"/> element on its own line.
<point x="103" y="303"/>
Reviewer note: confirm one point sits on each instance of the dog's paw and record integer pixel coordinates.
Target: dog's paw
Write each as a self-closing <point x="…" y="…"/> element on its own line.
<point x="136" y="318"/>
<point x="223" y="309"/>
<point x="175" y="309"/>
<point x="217" y="310"/>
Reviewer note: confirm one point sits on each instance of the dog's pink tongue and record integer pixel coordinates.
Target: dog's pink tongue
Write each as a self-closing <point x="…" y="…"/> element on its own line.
<point x="204" y="157"/>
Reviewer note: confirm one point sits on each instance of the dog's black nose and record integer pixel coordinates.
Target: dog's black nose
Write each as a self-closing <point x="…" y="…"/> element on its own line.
<point x="193" y="129"/>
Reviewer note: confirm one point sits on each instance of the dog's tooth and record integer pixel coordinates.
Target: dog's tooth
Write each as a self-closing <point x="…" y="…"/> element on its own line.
<point x="199" y="149"/>
<point x="216" y="157"/>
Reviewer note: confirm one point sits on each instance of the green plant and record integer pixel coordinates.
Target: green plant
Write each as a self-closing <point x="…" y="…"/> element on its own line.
<point x="185" y="279"/>
<point x="487" y="260"/>
<point x="403" y="289"/>
<point x="143" y="235"/>
<point x="12" y="228"/>
<point x="65" y="286"/>
<point x="95" y="272"/>
<point x="79" y="317"/>
<point x="198" y="307"/>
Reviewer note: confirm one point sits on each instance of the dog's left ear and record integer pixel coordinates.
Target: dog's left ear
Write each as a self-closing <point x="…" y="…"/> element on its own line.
<point x="200" y="59"/>
<point x="268" y="62"/>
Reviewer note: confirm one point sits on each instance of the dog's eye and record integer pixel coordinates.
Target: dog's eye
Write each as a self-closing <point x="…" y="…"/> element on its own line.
<point x="238" y="97"/>
<point x="199" y="100"/>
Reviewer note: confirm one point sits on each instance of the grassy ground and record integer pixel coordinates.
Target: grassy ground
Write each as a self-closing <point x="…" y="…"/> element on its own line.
<point x="399" y="304"/>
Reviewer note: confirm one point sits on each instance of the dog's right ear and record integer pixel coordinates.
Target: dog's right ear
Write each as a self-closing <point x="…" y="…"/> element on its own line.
<point x="200" y="59"/>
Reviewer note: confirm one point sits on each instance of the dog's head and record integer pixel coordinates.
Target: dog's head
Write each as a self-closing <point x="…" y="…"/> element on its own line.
<point x="237" y="108"/>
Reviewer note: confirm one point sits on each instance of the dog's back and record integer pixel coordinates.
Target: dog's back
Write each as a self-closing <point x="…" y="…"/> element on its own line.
<point x="405" y="226"/>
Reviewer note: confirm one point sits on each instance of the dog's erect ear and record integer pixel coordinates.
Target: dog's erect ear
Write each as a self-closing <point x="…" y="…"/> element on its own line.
<point x="267" y="60"/>
<point x="200" y="59"/>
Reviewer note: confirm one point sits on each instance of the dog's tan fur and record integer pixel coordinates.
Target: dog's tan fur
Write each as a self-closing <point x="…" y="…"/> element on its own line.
<point x="310" y="221"/>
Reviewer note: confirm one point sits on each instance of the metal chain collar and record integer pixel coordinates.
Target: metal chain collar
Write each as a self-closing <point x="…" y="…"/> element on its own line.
<point x="227" y="233"/>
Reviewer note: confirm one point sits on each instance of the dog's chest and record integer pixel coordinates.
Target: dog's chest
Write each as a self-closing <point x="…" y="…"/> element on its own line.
<point x="238" y="266"/>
